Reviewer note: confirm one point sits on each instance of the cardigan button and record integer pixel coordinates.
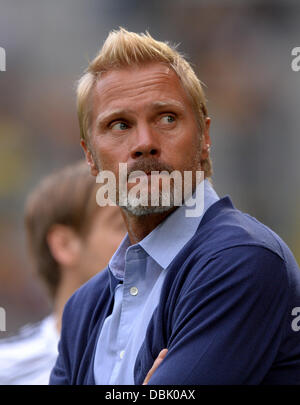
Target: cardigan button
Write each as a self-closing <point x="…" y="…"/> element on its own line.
<point x="134" y="291"/>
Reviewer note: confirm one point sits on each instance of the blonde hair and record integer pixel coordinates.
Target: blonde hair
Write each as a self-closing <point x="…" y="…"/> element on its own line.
<point x="124" y="49"/>
<point x="66" y="197"/>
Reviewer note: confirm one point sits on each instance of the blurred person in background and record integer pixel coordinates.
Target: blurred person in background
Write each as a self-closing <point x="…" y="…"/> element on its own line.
<point x="214" y="293"/>
<point x="70" y="239"/>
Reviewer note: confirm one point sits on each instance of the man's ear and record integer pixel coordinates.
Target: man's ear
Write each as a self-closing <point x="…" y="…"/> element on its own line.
<point x="206" y="141"/>
<point x="64" y="245"/>
<point x="89" y="158"/>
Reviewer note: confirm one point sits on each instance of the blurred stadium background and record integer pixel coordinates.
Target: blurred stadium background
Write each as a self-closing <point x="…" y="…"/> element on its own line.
<point x="241" y="50"/>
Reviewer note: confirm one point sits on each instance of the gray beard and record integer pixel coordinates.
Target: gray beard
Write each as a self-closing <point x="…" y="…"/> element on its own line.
<point x="141" y="210"/>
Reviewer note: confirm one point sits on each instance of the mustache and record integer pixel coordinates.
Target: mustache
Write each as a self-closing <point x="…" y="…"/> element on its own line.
<point x="148" y="166"/>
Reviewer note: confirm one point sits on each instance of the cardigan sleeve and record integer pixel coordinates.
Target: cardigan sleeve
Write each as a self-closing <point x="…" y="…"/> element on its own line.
<point x="228" y="321"/>
<point x="60" y="374"/>
<point x="83" y="315"/>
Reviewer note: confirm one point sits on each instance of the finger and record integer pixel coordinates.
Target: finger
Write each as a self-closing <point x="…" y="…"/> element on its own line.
<point x="159" y="359"/>
<point x="156" y="363"/>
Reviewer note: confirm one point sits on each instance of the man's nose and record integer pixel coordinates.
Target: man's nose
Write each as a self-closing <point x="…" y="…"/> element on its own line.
<point x="145" y="142"/>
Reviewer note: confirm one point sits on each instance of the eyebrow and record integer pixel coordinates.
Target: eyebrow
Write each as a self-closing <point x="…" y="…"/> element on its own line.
<point x="156" y="105"/>
<point x="167" y="103"/>
<point x="102" y="117"/>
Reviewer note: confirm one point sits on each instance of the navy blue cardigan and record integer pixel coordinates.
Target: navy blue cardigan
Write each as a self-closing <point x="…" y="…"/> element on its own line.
<point x="225" y="311"/>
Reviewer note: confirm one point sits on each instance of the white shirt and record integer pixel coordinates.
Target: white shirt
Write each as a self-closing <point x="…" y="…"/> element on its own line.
<point x="28" y="358"/>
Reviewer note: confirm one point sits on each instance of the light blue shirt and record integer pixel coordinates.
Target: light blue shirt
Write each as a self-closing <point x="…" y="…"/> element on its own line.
<point x="143" y="268"/>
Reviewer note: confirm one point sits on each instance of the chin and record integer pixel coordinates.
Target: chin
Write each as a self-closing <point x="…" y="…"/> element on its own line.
<point x="140" y="210"/>
<point x="164" y="203"/>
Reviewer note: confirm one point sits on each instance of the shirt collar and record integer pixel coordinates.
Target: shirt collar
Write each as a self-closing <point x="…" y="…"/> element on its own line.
<point x="168" y="238"/>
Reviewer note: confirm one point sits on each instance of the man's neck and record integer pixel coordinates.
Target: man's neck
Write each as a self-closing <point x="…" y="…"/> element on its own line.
<point x="139" y="227"/>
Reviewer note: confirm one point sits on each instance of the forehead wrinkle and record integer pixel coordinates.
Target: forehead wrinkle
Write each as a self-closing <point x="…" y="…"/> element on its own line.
<point x="135" y="89"/>
<point x="107" y="86"/>
<point x="113" y="84"/>
<point x="159" y="101"/>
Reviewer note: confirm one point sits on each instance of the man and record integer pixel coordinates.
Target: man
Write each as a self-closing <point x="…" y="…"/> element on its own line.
<point x="209" y="297"/>
<point x="70" y="239"/>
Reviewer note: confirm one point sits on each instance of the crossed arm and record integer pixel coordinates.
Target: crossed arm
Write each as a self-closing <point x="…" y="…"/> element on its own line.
<point x="227" y="328"/>
<point x="227" y="325"/>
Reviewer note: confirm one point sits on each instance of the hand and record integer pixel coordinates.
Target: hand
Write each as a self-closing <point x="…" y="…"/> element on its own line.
<point x="159" y="359"/>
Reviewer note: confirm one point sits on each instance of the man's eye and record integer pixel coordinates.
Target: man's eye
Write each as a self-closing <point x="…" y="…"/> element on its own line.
<point x="119" y="126"/>
<point x="167" y="119"/>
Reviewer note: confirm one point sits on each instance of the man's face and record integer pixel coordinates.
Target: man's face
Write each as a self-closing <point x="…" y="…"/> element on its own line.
<point x="142" y="116"/>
